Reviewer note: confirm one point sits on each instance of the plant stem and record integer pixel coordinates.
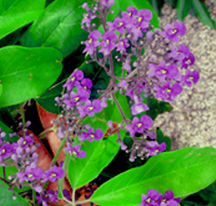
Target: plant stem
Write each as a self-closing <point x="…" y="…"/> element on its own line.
<point x="33" y="197"/>
<point x="22" y="115"/>
<point x="83" y="201"/>
<point x="119" y="107"/>
<point x="73" y="197"/>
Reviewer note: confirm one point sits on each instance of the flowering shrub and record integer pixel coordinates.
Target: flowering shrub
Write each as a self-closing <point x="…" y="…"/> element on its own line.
<point x="137" y="62"/>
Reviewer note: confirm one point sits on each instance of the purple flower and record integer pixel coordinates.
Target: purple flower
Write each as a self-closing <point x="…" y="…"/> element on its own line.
<point x="30" y="174"/>
<point x="92" y="43"/>
<point x="86" y="84"/>
<point x="152" y="199"/>
<point x="139" y="126"/>
<point x="154" y="148"/>
<point x="47" y="197"/>
<point x="75" y="150"/>
<point x="72" y="81"/>
<point x="173" y="32"/>
<point x="167" y="92"/>
<point x="107" y="45"/>
<point x="138" y="108"/>
<point x="122" y="45"/>
<point x="127" y="65"/>
<point x="90" y="135"/>
<point x="5" y="151"/>
<point x="190" y="77"/>
<point x="169" y="200"/>
<point x="53" y="174"/>
<point x="90" y="107"/>
<point x="75" y="98"/>
<point x="107" y="3"/>
<point x="24" y="143"/>
<point x="87" y="17"/>
<point x="162" y="71"/>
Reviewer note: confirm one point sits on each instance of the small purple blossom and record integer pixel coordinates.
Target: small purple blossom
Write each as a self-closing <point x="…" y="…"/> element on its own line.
<point x="75" y="98"/>
<point x="139" y="126"/>
<point x="90" y="108"/>
<point x="92" y="43"/>
<point x="167" y="92"/>
<point x="53" y="174"/>
<point x="190" y="77"/>
<point x="122" y="45"/>
<point x="107" y="3"/>
<point x="138" y="108"/>
<point x="47" y="197"/>
<point x="72" y="81"/>
<point x="30" y="174"/>
<point x="154" y="148"/>
<point x="107" y="45"/>
<point x="5" y="151"/>
<point x="90" y="135"/>
<point x="162" y="71"/>
<point x="173" y="32"/>
<point x="152" y="199"/>
<point x="75" y="150"/>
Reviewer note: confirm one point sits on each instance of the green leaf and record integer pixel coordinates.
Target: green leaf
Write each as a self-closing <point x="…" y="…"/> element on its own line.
<point x="6" y="197"/>
<point x="183" y="8"/>
<point x="157" y="107"/>
<point x="183" y="171"/>
<point x="1" y="88"/>
<point x="61" y="181"/>
<point x="99" y="153"/>
<point x="160" y="138"/>
<point x="58" y="27"/>
<point x="17" y="13"/>
<point x="47" y="99"/>
<point x="8" y="130"/>
<point x="203" y="13"/>
<point x="157" y="5"/>
<point x="122" y="5"/>
<point x="27" y="72"/>
<point x="172" y="3"/>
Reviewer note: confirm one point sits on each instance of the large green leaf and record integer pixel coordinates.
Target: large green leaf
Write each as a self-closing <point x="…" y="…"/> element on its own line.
<point x="183" y="8"/>
<point x="99" y="153"/>
<point x="203" y="13"/>
<point x="1" y="88"/>
<point x="6" y="197"/>
<point x="27" y="72"/>
<point x="59" y="27"/>
<point x="17" y="13"/>
<point x="183" y="171"/>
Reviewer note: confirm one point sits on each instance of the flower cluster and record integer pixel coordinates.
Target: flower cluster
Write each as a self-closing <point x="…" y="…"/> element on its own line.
<point x="157" y="199"/>
<point x="152" y="65"/>
<point x="25" y="157"/>
<point x="77" y="105"/>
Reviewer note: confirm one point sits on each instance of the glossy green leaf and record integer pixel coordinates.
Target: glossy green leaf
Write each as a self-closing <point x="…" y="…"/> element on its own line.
<point x="6" y="197"/>
<point x="183" y="171"/>
<point x="157" y="5"/>
<point x="47" y="99"/>
<point x="160" y="138"/>
<point x="27" y="72"/>
<point x="18" y="13"/>
<point x="183" y="8"/>
<point x="121" y="5"/>
<point x="58" y="27"/>
<point x="1" y="88"/>
<point x="99" y="153"/>
<point x="203" y="13"/>
<point x="8" y="130"/>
